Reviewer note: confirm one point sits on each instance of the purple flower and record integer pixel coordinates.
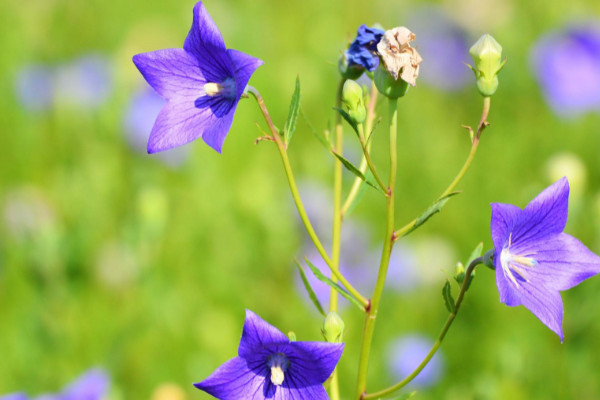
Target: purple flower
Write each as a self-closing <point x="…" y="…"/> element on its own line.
<point x="203" y="83"/>
<point x="144" y="107"/>
<point x="92" y="385"/>
<point x="534" y="259"/>
<point x="445" y="46"/>
<point x="567" y="66"/>
<point x="85" y="82"/>
<point x="270" y="366"/>
<point x="407" y="352"/>
<point x="363" y="50"/>
<point x="34" y="86"/>
<point x="14" y="396"/>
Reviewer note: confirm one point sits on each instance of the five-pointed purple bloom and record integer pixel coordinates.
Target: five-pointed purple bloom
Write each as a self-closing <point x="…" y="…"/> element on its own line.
<point x="363" y="50"/>
<point x="567" y="66"/>
<point x="203" y="83"/>
<point x="269" y="366"/>
<point x="534" y="259"/>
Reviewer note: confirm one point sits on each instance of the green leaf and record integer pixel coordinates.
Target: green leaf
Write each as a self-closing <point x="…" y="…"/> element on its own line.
<point x="334" y="285"/>
<point x="475" y="253"/>
<point x="431" y="211"/>
<point x="348" y="119"/>
<point x="375" y="125"/>
<point x="352" y="168"/>
<point x="324" y="139"/>
<point x="448" y="299"/>
<point x="290" y="123"/>
<point x="309" y="290"/>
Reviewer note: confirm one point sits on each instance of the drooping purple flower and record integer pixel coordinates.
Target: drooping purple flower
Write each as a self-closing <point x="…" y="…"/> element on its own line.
<point x="567" y="66"/>
<point x="203" y="83"/>
<point x="363" y="50"/>
<point x="534" y="259"/>
<point x="407" y="352"/>
<point x="269" y="366"/>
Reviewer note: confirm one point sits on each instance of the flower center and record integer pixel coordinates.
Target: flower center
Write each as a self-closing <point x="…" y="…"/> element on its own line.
<point x="227" y="89"/>
<point x="279" y="364"/>
<point x="513" y="264"/>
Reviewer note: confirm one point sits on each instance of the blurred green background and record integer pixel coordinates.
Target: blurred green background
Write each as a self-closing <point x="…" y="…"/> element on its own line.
<point x="110" y="257"/>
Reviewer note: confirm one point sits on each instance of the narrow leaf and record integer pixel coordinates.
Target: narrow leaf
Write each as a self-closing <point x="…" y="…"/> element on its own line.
<point x="334" y="285"/>
<point x="404" y="396"/>
<point x="290" y="123"/>
<point x="309" y="290"/>
<point x="321" y="137"/>
<point x="475" y="253"/>
<point x="348" y="119"/>
<point x="448" y="299"/>
<point x="431" y="211"/>
<point x="352" y="168"/>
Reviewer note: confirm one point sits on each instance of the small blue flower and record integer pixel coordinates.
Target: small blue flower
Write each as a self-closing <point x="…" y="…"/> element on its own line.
<point x="567" y="66"/>
<point x="534" y="259"/>
<point x="269" y="366"/>
<point x="34" y="86"/>
<point x="407" y="352"/>
<point x="203" y="83"/>
<point x="363" y="50"/>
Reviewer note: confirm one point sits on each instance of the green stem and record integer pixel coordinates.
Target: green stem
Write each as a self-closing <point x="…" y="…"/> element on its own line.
<point x="363" y="163"/>
<point x="334" y="387"/>
<point x="438" y="342"/>
<point x="371" y="316"/>
<point x="475" y="143"/>
<point x="367" y="156"/>
<point x="297" y="200"/>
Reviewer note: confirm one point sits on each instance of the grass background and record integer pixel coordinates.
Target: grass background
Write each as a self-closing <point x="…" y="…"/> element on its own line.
<point x="145" y="269"/>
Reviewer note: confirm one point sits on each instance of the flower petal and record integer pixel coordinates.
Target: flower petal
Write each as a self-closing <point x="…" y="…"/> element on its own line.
<point x="244" y="67"/>
<point x="503" y="220"/>
<point x="543" y="303"/>
<point x="92" y="385"/>
<point x="183" y="120"/>
<point x="204" y="41"/>
<point x="545" y="215"/>
<point x="171" y="72"/>
<point x="233" y="381"/>
<point x="563" y="262"/>
<point x="313" y="362"/>
<point x="257" y="333"/>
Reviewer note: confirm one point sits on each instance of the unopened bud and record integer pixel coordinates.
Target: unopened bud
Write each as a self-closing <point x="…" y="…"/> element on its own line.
<point x="333" y="328"/>
<point x="352" y="97"/>
<point x="487" y="57"/>
<point x="347" y="71"/>
<point x="459" y="273"/>
<point x="388" y="86"/>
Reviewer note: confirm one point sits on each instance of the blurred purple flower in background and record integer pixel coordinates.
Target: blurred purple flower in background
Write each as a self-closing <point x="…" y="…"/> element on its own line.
<point x="91" y="385"/>
<point x="444" y="45"/>
<point x="143" y="108"/>
<point x="567" y="66"/>
<point x="34" y="87"/>
<point x="407" y="352"/>
<point x="85" y="82"/>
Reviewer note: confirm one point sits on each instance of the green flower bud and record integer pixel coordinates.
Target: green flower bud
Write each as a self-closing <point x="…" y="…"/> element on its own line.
<point x="459" y="273"/>
<point x="487" y="56"/>
<point x="352" y="97"/>
<point x="387" y="85"/>
<point x="349" y="71"/>
<point x="333" y="328"/>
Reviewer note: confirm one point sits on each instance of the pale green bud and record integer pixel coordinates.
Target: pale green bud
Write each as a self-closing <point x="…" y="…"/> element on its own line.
<point x="459" y="273"/>
<point x="387" y="85"/>
<point x="352" y="97"/>
<point x="333" y="328"/>
<point x="487" y="57"/>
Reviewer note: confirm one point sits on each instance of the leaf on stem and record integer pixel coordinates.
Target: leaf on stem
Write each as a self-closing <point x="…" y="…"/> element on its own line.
<point x="352" y="168"/>
<point x="334" y="285"/>
<point x="448" y="299"/>
<point x="349" y="120"/>
<point x="290" y="123"/>
<point x="321" y="137"/>
<point x="309" y="290"/>
<point x="431" y="211"/>
<point x="404" y="396"/>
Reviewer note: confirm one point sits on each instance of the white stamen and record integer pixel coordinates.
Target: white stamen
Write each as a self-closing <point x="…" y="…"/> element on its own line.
<point x="212" y="89"/>
<point x="515" y="264"/>
<point x="278" y="363"/>
<point x="277" y="375"/>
